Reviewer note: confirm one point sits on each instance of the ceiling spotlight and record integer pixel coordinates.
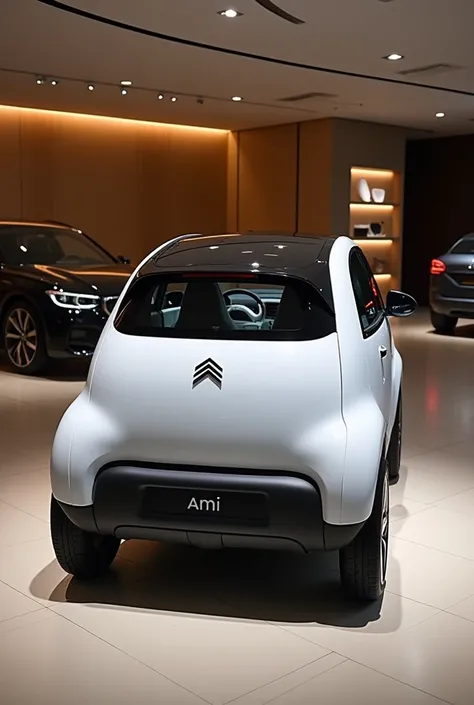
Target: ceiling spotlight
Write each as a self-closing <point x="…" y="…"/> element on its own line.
<point x="54" y="82"/>
<point x="40" y="80"/>
<point x="230" y="13"/>
<point x="236" y="98"/>
<point x="125" y="83"/>
<point x="160" y="96"/>
<point x="91" y="87"/>
<point x="124" y="91"/>
<point x="394" y="57"/>
<point x="440" y="115"/>
<point x="174" y="99"/>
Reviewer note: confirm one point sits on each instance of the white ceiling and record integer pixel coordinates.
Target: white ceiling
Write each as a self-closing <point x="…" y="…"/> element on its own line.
<point x="349" y="36"/>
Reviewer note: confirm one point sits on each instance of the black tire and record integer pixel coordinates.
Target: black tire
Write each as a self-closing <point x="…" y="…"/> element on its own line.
<point x="443" y="324"/>
<point x="363" y="563"/>
<point x="80" y="553"/>
<point x="394" y="452"/>
<point x="21" y="331"/>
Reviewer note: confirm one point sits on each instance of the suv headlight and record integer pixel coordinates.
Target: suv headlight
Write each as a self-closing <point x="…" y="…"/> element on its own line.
<point x="64" y="299"/>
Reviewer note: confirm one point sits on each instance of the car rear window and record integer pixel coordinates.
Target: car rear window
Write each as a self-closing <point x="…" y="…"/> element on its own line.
<point x="226" y="307"/>
<point x="464" y="247"/>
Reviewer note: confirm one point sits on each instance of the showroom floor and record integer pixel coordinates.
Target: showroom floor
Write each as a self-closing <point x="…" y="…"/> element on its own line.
<point x="180" y="627"/>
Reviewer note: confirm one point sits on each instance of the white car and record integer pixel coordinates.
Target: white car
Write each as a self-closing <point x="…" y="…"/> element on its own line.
<point x="245" y="392"/>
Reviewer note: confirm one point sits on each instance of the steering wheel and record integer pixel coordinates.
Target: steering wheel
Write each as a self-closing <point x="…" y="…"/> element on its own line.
<point x="253" y="317"/>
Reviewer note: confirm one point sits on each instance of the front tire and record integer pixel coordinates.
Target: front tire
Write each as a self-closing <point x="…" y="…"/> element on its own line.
<point x="24" y="340"/>
<point x="443" y="324"/>
<point x="363" y="563"/>
<point x="80" y="553"/>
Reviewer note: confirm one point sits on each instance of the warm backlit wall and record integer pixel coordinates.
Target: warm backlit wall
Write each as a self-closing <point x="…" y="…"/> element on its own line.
<point x="131" y="185"/>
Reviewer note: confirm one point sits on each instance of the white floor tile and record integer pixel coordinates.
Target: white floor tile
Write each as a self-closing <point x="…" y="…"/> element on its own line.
<point x="462" y="503"/>
<point x="437" y="528"/>
<point x="29" y="491"/>
<point x="14" y="604"/>
<point x="64" y="663"/>
<point x="17" y="527"/>
<point x="355" y="684"/>
<point x="464" y="609"/>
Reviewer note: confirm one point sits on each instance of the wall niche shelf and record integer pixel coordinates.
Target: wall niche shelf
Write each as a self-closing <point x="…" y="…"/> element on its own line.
<point x="382" y="252"/>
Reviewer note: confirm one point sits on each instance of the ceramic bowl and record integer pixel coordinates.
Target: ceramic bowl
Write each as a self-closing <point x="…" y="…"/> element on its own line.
<point x="378" y="194"/>
<point x="364" y="191"/>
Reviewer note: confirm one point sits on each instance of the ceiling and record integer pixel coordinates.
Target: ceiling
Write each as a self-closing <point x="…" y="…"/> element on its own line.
<point x="185" y="48"/>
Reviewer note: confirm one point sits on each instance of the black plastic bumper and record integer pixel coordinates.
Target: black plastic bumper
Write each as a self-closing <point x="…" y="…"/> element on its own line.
<point x="210" y="509"/>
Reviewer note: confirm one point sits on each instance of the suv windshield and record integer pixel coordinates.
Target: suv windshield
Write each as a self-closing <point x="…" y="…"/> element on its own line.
<point x="235" y="307"/>
<point x="32" y="244"/>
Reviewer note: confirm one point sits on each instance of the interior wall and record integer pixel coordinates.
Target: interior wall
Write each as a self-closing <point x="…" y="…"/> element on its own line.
<point x="267" y="179"/>
<point x="130" y="185"/>
<point x="315" y="177"/>
<point x="439" y="207"/>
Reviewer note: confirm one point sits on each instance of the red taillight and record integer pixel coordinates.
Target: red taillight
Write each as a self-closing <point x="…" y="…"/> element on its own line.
<point x="437" y="267"/>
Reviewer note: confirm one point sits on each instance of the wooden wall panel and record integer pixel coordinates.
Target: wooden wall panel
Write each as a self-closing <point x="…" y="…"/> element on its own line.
<point x="268" y="179"/>
<point x="315" y="174"/>
<point x="10" y="174"/>
<point x="130" y="185"/>
<point x="233" y="182"/>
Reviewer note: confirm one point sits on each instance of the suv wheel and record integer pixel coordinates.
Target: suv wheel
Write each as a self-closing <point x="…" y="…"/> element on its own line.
<point x="80" y="553"/>
<point x="364" y="562"/>
<point x="442" y="323"/>
<point x="24" y="339"/>
<point x="394" y="452"/>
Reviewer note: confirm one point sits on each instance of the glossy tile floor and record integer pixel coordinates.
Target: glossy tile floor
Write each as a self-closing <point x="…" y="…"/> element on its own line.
<point x="181" y="627"/>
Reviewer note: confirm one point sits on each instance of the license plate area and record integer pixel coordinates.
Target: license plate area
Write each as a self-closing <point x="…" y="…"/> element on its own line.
<point x="205" y="506"/>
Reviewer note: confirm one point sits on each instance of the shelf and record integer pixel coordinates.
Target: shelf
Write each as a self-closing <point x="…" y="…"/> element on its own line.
<point x="374" y="239"/>
<point x="374" y="205"/>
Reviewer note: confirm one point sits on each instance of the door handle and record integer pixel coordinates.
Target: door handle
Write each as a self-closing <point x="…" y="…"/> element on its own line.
<point x="383" y="351"/>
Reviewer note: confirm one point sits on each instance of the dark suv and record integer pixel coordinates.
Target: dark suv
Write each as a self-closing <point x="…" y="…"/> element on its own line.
<point x="452" y="285"/>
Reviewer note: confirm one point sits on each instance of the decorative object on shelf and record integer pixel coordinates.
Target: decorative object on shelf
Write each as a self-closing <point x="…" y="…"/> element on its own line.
<point x="361" y="231"/>
<point x="378" y="194"/>
<point x="364" y="191"/>
<point x="378" y="265"/>
<point x="376" y="230"/>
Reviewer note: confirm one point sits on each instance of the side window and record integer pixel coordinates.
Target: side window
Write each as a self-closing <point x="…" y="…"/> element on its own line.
<point x="366" y="292"/>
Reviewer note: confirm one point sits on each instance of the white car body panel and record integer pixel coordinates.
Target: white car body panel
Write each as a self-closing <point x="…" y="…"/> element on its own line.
<point x="320" y="408"/>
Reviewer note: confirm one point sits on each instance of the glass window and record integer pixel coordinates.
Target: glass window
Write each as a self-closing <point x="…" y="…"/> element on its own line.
<point x="29" y="244"/>
<point x="464" y="247"/>
<point x="366" y="291"/>
<point x="252" y="307"/>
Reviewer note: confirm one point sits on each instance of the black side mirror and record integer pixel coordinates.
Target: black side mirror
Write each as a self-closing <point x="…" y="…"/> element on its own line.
<point x="399" y="304"/>
<point x="123" y="260"/>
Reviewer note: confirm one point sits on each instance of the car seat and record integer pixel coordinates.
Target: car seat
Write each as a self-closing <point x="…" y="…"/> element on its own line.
<point x="204" y="308"/>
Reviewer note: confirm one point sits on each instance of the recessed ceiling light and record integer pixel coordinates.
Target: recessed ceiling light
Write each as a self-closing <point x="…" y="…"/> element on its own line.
<point x="90" y="87"/>
<point x="40" y="80"/>
<point x="174" y="99"/>
<point x="125" y="83"/>
<point x="230" y="13"/>
<point x="124" y="91"/>
<point x="236" y="98"/>
<point x="160" y="96"/>
<point x="440" y="115"/>
<point x="394" y="57"/>
<point x="54" y="82"/>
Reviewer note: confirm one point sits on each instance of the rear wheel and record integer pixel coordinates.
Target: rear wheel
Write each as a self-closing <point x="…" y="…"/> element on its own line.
<point x="441" y="323"/>
<point x="80" y="553"/>
<point x="364" y="562"/>
<point x="24" y="339"/>
<point x="394" y="453"/>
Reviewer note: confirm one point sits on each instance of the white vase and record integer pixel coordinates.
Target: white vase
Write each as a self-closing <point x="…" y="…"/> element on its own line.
<point x="364" y="191"/>
<point x="378" y="194"/>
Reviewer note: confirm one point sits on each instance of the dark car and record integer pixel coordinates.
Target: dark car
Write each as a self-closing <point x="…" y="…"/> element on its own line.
<point x="57" y="288"/>
<point x="452" y="285"/>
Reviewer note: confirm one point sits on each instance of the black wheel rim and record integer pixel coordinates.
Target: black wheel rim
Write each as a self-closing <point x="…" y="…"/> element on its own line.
<point x="384" y="530"/>
<point x="21" y="338"/>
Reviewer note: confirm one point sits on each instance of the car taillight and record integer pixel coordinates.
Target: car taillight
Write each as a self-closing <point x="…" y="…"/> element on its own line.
<point x="437" y="266"/>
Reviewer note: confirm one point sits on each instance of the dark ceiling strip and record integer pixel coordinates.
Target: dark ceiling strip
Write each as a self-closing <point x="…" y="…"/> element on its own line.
<point x="271" y="7"/>
<point x="243" y="54"/>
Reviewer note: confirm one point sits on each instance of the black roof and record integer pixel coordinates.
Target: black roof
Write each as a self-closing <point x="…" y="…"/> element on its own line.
<point x="304" y="257"/>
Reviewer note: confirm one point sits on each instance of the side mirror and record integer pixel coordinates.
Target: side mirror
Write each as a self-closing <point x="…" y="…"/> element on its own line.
<point x="399" y="304"/>
<point x="123" y="260"/>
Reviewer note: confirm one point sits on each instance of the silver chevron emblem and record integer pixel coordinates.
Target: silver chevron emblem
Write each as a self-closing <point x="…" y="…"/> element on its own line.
<point x="208" y="370"/>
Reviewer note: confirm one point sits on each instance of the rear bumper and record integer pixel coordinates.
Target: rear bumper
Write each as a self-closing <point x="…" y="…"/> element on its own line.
<point x="210" y="509"/>
<point x="459" y="308"/>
